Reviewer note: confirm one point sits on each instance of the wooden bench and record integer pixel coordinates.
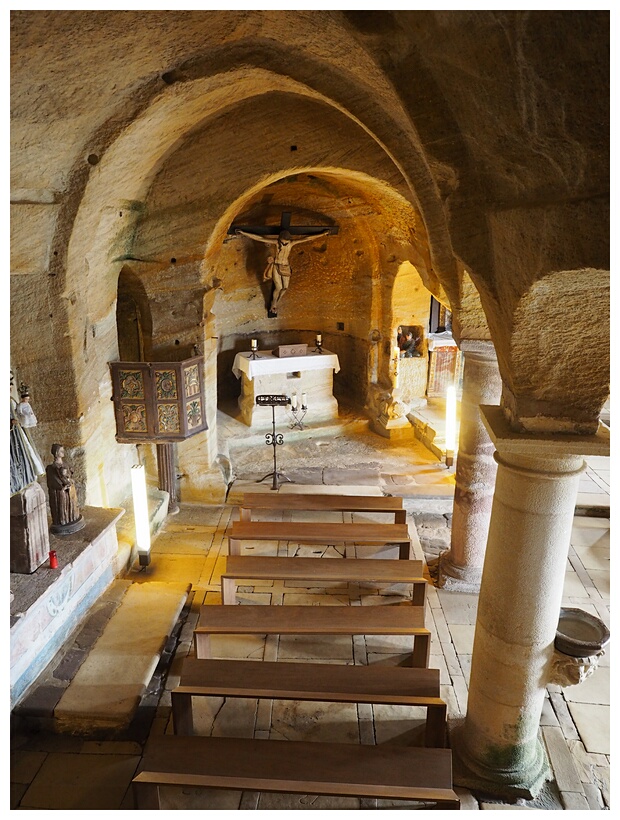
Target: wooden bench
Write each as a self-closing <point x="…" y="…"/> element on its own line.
<point x="314" y="571"/>
<point x="320" y="533"/>
<point x="310" y="682"/>
<point x="344" y="769"/>
<point x="323" y="502"/>
<point x="229" y="619"/>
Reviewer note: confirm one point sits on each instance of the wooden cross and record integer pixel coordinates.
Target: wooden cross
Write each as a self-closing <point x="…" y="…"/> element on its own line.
<point x="285" y="225"/>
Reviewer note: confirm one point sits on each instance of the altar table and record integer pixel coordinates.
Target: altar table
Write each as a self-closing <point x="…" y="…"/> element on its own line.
<point x="311" y="374"/>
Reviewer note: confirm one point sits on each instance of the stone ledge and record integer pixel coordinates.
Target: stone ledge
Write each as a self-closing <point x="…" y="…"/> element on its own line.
<point x="49" y="603"/>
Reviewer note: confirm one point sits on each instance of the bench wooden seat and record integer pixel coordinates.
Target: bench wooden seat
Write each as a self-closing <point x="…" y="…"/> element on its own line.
<point x="229" y="619"/>
<point x="320" y="533"/>
<point x="310" y="682"/>
<point x="400" y="772"/>
<point x="323" y="502"/>
<point x="313" y="571"/>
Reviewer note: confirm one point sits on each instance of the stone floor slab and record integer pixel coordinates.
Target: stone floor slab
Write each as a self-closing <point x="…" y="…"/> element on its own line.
<point x="25" y="765"/>
<point x="564" y="769"/>
<point x="462" y="638"/>
<point x="595" y="557"/>
<point x="601" y="582"/>
<point x="573" y="588"/>
<point x="595" y="689"/>
<point x="458" y="607"/>
<point x="69" y="781"/>
<point x="593" y="724"/>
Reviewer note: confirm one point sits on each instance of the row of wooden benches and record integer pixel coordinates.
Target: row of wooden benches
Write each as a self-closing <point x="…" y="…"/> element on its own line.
<point x="421" y="774"/>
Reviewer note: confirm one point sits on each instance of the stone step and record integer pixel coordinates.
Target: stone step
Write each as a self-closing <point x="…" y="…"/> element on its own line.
<point x="106" y="690"/>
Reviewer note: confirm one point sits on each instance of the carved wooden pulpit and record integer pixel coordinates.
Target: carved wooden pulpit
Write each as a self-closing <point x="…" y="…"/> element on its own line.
<point x="161" y="403"/>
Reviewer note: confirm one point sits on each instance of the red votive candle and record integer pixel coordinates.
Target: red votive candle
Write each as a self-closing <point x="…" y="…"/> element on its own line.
<point x="53" y="560"/>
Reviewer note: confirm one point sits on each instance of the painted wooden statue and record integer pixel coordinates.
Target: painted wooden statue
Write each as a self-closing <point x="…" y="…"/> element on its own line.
<point x="62" y="494"/>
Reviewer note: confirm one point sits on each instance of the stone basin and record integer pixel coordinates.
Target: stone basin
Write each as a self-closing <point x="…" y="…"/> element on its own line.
<point x="580" y="634"/>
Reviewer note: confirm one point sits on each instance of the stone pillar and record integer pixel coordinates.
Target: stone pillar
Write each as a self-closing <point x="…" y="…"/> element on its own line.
<point x="497" y="748"/>
<point x="166" y="472"/>
<point x="460" y="567"/>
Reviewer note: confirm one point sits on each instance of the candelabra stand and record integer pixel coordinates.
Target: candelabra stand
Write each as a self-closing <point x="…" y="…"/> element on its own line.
<point x="298" y="416"/>
<point x="273" y="438"/>
<point x="319" y="347"/>
<point x="254" y="354"/>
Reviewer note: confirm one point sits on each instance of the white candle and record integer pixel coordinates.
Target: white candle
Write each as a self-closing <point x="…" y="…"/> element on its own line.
<point x="254" y="344"/>
<point x="303" y="399"/>
<point x="318" y="338"/>
<point x="294" y="401"/>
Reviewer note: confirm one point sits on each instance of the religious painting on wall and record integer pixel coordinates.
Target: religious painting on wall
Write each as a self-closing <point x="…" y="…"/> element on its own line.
<point x="172" y="400"/>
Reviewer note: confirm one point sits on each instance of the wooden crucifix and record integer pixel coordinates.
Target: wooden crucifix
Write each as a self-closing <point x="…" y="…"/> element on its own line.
<point x="283" y="238"/>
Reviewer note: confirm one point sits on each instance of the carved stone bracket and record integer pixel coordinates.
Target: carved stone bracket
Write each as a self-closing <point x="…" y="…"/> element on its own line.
<point x="569" y="671"/>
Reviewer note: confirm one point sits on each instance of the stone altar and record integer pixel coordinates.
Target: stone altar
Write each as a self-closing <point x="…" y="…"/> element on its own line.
<point x="311" y="374"/>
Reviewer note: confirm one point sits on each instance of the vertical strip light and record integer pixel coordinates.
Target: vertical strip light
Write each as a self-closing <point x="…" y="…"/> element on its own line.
<point x="450" y="424"/>
<point x="141" y="514"/>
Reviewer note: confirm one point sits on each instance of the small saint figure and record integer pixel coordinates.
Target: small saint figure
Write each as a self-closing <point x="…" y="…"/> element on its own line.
<point x="64" y="507"/>
<point x="26" y="465"/>
<point x="278" y="268"/>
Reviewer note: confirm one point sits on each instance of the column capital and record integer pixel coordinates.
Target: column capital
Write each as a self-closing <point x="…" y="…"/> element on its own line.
<point x="545" y="445"/>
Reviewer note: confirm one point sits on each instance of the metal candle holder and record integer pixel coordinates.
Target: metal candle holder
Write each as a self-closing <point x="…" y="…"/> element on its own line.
<point x="273" y="438"/>
<point x="319" y="344"/>
<point x="299" y="414"/>
<point x="254" y="354"/>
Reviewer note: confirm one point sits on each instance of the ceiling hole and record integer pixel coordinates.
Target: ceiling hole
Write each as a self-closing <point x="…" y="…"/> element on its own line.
<point x="293" y="147"/>
<point x="92" y="159"/>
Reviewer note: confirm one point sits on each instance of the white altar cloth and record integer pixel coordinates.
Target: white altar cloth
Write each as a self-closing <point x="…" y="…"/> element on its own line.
<point x="267" y="364"/>
<point x="311" y="376"/>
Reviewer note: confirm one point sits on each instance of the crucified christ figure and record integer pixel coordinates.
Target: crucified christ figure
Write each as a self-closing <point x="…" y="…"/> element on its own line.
<point x="278" y="267"/>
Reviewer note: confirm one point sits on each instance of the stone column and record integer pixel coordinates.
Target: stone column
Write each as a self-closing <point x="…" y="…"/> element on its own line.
<point x="497" y="747"/>
<point x="460" y="567"/>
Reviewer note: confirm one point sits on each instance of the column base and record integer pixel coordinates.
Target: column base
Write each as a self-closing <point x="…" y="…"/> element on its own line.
<point x="523" y="782"/>
<point x="457" y="579"/>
